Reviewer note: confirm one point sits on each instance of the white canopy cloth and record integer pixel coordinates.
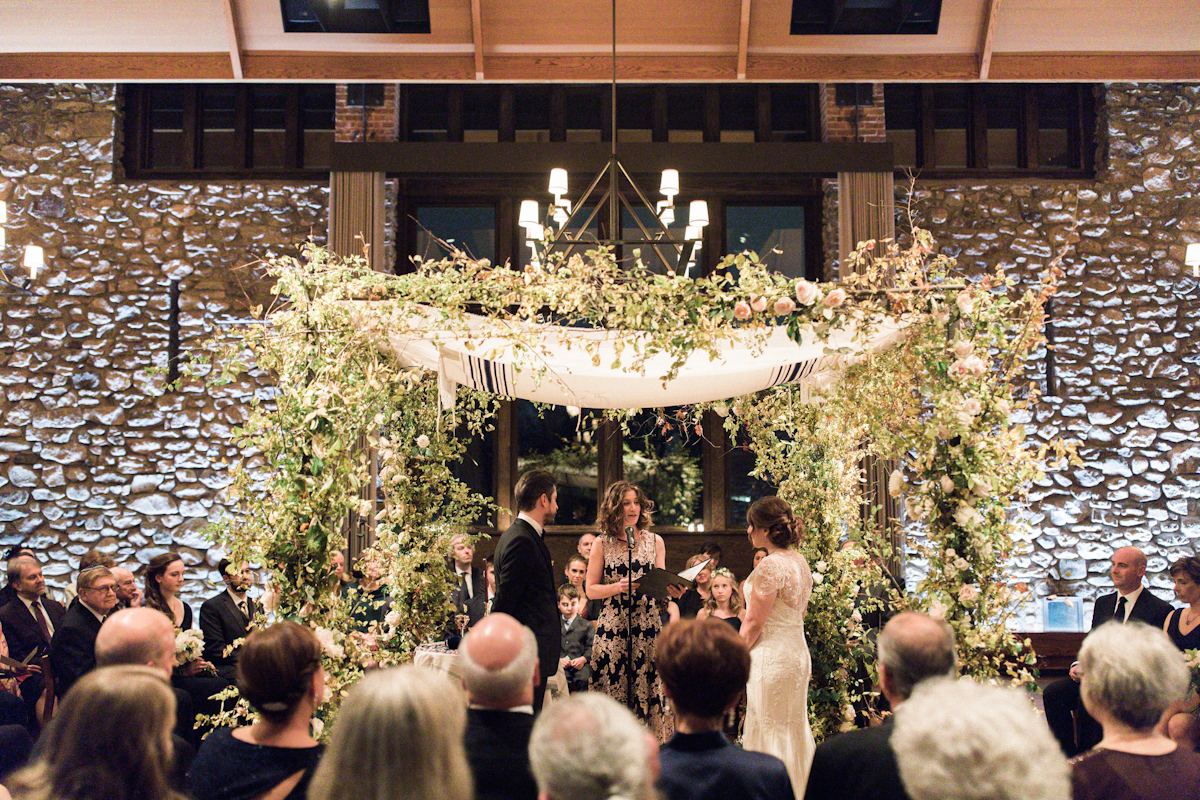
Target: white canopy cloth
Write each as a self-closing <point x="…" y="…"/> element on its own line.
<point x="560" y="370"/>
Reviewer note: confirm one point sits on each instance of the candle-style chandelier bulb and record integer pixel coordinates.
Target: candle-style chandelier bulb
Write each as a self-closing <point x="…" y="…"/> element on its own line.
<point x="669" y="187"/>
<point x="529" y="215"/>
<point x="558" y="182"/>
<point x="698" y="213"/>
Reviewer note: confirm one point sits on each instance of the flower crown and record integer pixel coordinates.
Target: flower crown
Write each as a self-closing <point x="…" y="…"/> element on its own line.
<point x="724" y="573"/>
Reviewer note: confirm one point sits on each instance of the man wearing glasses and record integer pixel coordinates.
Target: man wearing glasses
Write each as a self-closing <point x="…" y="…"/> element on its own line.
<point x="73" y="648"/>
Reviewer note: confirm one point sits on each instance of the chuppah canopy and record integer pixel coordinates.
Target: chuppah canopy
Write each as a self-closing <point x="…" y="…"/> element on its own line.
<point x="593" y="368"/>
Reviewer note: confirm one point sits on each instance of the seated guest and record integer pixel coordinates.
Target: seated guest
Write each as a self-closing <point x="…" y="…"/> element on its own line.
<point x="279" y="673"/>
<point x="398" y="736"/>
<point x="713" y="551"/>
<point x="1183" y="626"/>
<point x="368" y="598"/>
<point x="9" y="592"/>
<point x="470" y="594"/>
<point x="92" y="558"/>
<point x="226" y="618"/>
<point x="489" y="569"/>
<point x="498" y="658"/>
<point x="584" y="545"/>
<point x="960" y="740"/>
<point x="29" y="622"/>
<point x="912" y="648"/>
<point x="145" y="637"/>
<point x="128" y="593"/>
<point x="704" y="667"/>
<point x="110" y="738"/>
<point x="1131" y="675"/>
<point x="577" y="638"/>
<point x="73" y="646"/>
<point x="575" y="573"/>
<point x="693" y="599"/>
<point x="590" y="747"/>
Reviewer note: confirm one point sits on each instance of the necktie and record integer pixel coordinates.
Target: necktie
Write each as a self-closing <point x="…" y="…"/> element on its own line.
<point x="1119" y="614"/>
<point x="465" y="586"/>
<point x="241" y="604"/>
<point x="40" y="616"/>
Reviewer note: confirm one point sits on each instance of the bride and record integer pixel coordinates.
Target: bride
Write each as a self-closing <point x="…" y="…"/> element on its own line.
<point x="778" y="592"/>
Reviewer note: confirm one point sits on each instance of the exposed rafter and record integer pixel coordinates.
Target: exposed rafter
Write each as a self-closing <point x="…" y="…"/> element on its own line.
<point x="234" y="38"/>
<point x="987" y="37"/>
<point x="477" y="37"/>
<point x="743" y="40"/>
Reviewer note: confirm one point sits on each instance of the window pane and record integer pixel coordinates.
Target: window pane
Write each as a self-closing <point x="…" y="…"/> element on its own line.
<point x="165" y="106"/>
<point x="776" y="233"/>
<point x="316" y="119"/>
<point x="218" y="137"/>
<point x="950" y="117"/>
<point x="739" y="108"/>
<point x="685" y="113"/>
<point x="743" y="489"/>
<point x="531" y="113"/>
<point x="471" y="229"/>
<point x="1058" y="120"/>
<point x="556" y="439"/>
<point x="900" y="103"/>
<point x="792" y="113"/>
<point x="648" y="255"/>
<point x="662" y="454"/>
<point x="1003" y="102"/>
<point x="583" y="113"/>
<point x="268" y="120"/>
<point x="427" y="109"/>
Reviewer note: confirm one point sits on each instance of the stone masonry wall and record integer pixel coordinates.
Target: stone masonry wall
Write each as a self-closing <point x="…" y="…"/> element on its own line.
<point x="1126" y="359"/>
<point x="94" y="452"/>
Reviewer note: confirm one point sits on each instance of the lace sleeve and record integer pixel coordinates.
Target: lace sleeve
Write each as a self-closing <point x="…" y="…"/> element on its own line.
<point x="770" y="576"/>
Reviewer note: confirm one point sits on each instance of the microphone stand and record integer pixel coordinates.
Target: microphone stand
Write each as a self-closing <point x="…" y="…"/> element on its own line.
<point x="629" y="534"/>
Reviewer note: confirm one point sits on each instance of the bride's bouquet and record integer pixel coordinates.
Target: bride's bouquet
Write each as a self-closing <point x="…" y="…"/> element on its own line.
<point x="188" y="647"/>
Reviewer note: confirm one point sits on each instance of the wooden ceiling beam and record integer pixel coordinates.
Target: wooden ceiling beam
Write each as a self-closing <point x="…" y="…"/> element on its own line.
<point x="743" y="40"/>
<point x="987" y="37"/>
<point x="477" y="37"/>
<point x="1097" y="67"/>
<point x="234" y="38"/>
<point x="117" y="67"/>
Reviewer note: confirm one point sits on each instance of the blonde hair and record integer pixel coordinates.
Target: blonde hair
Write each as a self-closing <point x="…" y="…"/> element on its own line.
<point x="398" y="736"/>
<point x="735" y="599"/>
<point x="110" y="739"/>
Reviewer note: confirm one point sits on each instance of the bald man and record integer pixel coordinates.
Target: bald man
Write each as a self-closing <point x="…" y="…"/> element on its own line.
<point x="1132" y="600"/>
<point x="499" y="664"/>
<point x="128" y="593"/>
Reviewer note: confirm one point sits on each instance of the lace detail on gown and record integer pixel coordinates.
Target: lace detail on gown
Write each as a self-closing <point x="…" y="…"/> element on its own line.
<point x="780" y="668"/>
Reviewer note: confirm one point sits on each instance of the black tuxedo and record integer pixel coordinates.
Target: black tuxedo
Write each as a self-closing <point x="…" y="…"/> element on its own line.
<point x="497" y="745"/>
<point x="525" y="590"/>
<point x="474" y="605"/>
<point x="1061" y="697"/>
<point x="21" y="630"/>
<point x="73" y="647"/>
<point x="856" y="765"/>
<point x="223" y="623"/>
<point x="705" y="766"/>
<point x="577" y="641"/>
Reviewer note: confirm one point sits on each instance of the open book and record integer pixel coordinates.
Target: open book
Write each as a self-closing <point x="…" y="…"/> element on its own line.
<point x="655" y="582"/>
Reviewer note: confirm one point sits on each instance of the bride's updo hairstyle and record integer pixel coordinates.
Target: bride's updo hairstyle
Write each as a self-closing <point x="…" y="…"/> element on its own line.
<point x="773" y="515"/>
<point x="276" y="667"/>
<point x="608" y="518"/>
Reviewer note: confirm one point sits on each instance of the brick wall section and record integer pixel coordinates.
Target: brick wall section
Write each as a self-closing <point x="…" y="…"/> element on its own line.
<point x="382" y="123"/>
<point x="93" y="451"/>
<point x="845" y="124"/>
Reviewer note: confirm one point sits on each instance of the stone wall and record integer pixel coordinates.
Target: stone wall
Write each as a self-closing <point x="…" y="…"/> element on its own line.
<point x="1126" y="363"/>
<point x="94" y="451"/>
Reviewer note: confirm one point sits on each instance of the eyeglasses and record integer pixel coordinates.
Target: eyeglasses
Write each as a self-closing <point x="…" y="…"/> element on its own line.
<point x="106" y="589"/>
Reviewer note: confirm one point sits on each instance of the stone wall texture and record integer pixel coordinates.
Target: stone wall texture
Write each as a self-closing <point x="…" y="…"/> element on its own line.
<point x="95" y="451"/>
<point x="1125" y="360"/>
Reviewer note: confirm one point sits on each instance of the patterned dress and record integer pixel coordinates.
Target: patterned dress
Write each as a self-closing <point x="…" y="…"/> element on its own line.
<point x="610" y="654"/>
<point x="780" y="668"/>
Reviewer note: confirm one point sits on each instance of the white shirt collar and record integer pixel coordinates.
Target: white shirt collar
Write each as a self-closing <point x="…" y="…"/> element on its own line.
<point x="514" y="710"/>
<point x="536" y="526"/>
<point x="1130" y="600"/>
<point x="97" y="614"/>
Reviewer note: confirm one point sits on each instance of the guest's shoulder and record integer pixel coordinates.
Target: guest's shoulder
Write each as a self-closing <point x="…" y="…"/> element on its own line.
<point x="857" y="741"/>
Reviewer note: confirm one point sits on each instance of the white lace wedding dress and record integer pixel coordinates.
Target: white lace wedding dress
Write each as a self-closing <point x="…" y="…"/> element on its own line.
<point x="780" y="668"/>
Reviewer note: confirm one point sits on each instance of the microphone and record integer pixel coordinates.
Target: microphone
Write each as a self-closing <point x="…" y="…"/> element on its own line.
<point x="629" y="531"/>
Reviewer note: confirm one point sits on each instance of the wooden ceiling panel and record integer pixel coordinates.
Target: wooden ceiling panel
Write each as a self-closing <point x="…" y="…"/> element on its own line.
<point x="112" y="26"/>
<point x="1095" y="26"/>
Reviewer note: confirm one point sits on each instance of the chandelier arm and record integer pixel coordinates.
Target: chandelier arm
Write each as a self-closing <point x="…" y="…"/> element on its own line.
<point x="645" y="202"/>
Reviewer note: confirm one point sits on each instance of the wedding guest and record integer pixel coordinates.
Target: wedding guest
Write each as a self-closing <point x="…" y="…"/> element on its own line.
<point x="1183" y="626"/>
<point x="9" y="592"/>
<point x="29" y="622"/>
<point x="1131" y="676"/>
<point x="584" y="546"/>
<point x="714" y="552"/>
<point x="590" y="747"/>
<point x="704" y="667"/>
<point x="499" y="670"/>
<point x="369" y="599"/>
<point x="577" y="639"/>
<point x="92" y="558"/>
<point x="73" y="646"/>
<point x="859" y="764"/>
<point x="128" y="593"/>
<point x="723" y="601"/>
<point x="164" y="580"/>
<point x="960" y="740"/>
<point x="470" y="595"/>
<point x="575" y="573"/>
<point x="489" y="569"/>
<point x="696" y="596"/>
<point x="110" y="739"/>
<point x="279" y="673"/>
<point x="398" y="736"/>
<point x="225" y="618"/>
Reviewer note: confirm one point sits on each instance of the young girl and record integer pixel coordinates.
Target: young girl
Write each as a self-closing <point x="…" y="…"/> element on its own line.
<point x="723" y="602"/>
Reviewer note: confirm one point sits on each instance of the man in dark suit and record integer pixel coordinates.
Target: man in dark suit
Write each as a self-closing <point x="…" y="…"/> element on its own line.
<point x="471" y="596"/>
<point x="525" y="573"/>
<point x="704" y="667"/>
<point x="860" y="764"/>
<point x="28" y="621"/>
<point x="498" y="658"/>
<point x="1132" y="600"/>
<point x="73" y="646"/>
<point x="226" y="618"/>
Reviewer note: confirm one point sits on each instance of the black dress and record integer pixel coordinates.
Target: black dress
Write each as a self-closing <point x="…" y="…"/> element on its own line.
<point x="226" y="768"/>
<point x="201" y="686"/>
<point x="1190" y="641"/>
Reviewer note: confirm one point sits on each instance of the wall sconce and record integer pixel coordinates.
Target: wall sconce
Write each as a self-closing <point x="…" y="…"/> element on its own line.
<point x="1192" y="258"/>
<point x="35" y="259"/>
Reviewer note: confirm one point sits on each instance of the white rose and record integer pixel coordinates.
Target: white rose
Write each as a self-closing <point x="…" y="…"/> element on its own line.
<point x="818" y="578"/>
<point x="896" y="483"/>
<point x="975" y="365"/>
<point x="961" y="564"/>
<point x="807" y="293"/>
<point x="392" y="618"/>
<point x="963" y="348"/>
<point x="318" y="727"/>
<point x="966" y="516"/>
<point x="980" y="488"/>
<point x="916" y="508"/>
<point x="972" y="406"/>
<point x="422" y="441"/>
<point x="822" y="566"/>
<point x="966" y="303"/>
<point x="947" y="484"/>
<point x="937" y="610"/>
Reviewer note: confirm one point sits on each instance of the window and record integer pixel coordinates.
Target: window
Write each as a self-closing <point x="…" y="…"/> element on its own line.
<point x="228" y="130"/>
<point x="992" y="129"/>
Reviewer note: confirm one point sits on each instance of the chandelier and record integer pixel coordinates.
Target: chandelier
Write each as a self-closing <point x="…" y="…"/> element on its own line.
<point x="565" y="226"/>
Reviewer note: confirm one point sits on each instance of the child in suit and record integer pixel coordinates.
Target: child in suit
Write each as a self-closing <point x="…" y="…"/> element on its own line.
<point x="577" y="638"/>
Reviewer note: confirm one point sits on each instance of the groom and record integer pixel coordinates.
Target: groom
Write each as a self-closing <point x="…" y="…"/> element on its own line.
<point x="525" y="586"/>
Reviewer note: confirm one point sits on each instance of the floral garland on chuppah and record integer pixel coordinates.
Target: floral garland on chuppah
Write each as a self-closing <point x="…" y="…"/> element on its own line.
<point x="338" y="388"/>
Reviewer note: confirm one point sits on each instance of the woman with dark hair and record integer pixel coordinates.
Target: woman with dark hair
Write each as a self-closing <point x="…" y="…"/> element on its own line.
<point x="110" y="739"/>
<point x="1183" y="626"/>
<point x="164" y="579"/>
<point x="280" y="675"/>
<point x="780" y="667"/>
<point x="624" y="522"/>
